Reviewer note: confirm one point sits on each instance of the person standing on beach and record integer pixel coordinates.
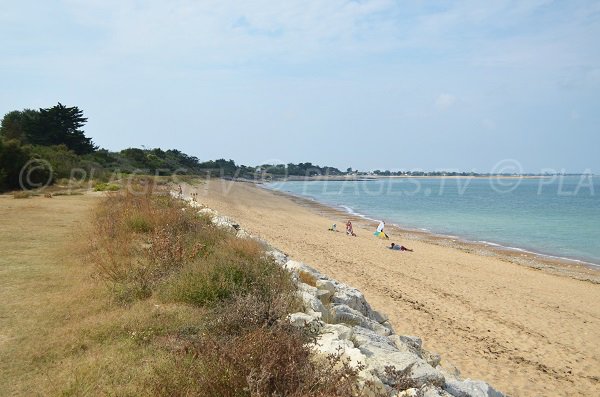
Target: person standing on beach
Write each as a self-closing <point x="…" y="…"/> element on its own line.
<point x="380" y="231"/>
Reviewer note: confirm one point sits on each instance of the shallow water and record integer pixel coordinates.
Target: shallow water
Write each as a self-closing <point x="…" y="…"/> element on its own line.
<point x="557" y="216"/>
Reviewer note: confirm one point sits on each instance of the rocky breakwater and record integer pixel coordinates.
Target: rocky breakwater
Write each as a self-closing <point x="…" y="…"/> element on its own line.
<point x="343" y="323"/>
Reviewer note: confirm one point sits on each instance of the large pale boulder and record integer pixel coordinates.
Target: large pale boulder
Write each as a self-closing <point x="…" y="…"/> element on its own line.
<point x="333" y="343"/>
<point x="470" y="388"/>
<point x="345" y="295"/>
<point x="364" y="336"/>
<point x="420" y="373"/>
<point x="347" y="315"/>
<point x="207" y="212"/>
<point x="311" y="303"/>
<point x="279" y="257"/>
<point x="325" y="285"/>
<point x="311" y="324"/>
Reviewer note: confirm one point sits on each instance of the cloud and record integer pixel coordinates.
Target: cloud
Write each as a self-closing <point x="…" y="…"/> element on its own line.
<point x="445" y="101"/>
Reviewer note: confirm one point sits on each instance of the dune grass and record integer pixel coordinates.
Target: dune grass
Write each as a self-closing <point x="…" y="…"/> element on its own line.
<point x="134" y="294"/>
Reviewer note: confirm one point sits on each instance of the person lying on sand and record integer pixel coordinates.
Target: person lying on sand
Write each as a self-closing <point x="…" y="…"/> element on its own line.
<point x="349" y="230"/>
<point x="397" y="247"/>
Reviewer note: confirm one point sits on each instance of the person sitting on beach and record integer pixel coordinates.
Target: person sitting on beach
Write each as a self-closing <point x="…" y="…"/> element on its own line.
<point x="397" y="247"/>
<point x="349" y="230"/>
<point x="333" y="228"/>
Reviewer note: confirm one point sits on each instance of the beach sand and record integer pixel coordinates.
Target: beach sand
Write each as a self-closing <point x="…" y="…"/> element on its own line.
<point x="526" y="331"/>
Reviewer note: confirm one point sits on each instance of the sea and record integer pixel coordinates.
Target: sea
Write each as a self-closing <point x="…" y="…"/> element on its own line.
<point x="556" y="216"/>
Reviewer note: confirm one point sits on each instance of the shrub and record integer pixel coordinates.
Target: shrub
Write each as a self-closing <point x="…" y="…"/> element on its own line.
<point x="139" y="224"/>
<point x="106" y="187"/>
<point x="22" y="194"/>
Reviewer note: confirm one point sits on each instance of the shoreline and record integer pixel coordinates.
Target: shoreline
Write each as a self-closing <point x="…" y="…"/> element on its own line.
<point x="360" y="178"/>
<point x="575" y="268"/>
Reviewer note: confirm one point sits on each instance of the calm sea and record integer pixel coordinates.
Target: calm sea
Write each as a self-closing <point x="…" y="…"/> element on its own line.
<point x="556" y="216"/>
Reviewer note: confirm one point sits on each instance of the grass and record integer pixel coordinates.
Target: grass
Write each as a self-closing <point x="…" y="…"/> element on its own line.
<point x="131" y="295"/>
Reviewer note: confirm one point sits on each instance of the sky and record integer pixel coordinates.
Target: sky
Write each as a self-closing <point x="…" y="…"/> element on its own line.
<point x="369" y="84"/>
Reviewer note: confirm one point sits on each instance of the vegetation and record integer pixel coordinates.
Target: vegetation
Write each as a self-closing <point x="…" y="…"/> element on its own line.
<point x="149" y="248"/>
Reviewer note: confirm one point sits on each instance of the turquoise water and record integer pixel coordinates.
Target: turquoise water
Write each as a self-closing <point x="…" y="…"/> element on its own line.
<point x="557" y="216"/>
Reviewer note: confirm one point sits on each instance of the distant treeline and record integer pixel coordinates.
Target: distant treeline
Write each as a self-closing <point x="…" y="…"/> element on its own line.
<point x="34" y="141"/>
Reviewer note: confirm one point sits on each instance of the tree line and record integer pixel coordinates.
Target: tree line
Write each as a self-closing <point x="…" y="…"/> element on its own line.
<point x="56" y="136"/>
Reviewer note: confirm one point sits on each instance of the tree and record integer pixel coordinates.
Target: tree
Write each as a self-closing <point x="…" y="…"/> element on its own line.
<point x="16" y="124"/>
<point x="61" y="125"/>
<point x="13" y="157"/>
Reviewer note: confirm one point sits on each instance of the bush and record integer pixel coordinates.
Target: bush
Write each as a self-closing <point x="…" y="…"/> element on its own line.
<point x="106" y="187"/>
<point x="22" y="194"/>
<point x="139" y="224"/>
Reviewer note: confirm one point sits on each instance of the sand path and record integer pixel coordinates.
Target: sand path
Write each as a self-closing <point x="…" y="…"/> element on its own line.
<point x="525" y="331"/>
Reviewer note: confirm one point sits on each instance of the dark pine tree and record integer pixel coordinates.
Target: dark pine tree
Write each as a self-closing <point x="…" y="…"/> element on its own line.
<point x="61" y="125"/>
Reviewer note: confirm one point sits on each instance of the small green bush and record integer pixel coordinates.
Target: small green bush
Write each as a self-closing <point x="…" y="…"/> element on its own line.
<point x="106" y="187"/>
<point x="139" y="224"/>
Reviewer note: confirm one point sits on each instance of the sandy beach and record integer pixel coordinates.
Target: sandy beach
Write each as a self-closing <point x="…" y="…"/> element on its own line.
<point x="527" y="330"/>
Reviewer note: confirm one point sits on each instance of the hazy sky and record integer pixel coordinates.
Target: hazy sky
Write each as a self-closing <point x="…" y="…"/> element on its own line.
<point x="368" y="84"/>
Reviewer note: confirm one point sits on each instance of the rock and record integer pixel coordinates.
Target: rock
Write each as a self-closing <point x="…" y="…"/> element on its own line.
<point x="330" y="343"/>
<point x="279" y="257"/>
<point x="363" y="336"/>
<point x="470" y="388"/>
<point x="340" y="330"/>
<point x="379" y="317"/>
<point x="406" y="345"/>
<point x="432" y="359"/>
<point x="345" y="295"/>
<point x="413" y="341"/>
<point x="308" y="288"/>
<point x="303" y="320"/>
<point x="207" y="212"/>
<point x="432" y="391"/>
<point x="241" y="233"/>
<point x="412" y="392"/>
<point x="295" y="266"/>
<point x="347" y="315"/>
<point x="420" y="372"/>
<point x="449" y="370"/>
<point x="326" y="285"/>
<point x="224" y="222"/>
<point x="312" y="303"/>
<point x="300" y="319"/>
<point x="324" y="296"/>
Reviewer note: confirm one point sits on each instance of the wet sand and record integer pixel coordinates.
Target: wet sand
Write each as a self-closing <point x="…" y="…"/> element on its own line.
<point x="529" y="328"/>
